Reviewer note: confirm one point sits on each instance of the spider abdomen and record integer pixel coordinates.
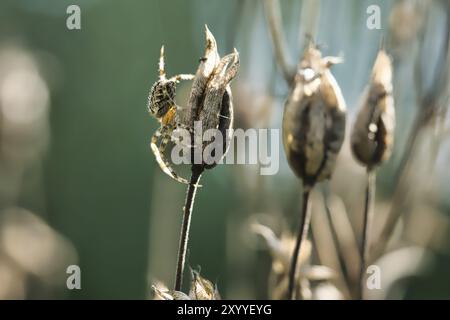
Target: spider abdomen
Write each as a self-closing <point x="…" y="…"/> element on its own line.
<point x="161" y="98"/>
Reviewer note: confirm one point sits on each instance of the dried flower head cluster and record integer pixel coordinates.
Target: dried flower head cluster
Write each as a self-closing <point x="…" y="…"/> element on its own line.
<point x="201" y="289"/>
<point x="314" y="119"/>
<point x="373" y="132"/>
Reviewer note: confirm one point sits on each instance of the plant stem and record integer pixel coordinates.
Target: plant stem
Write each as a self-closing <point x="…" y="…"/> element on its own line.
<point x="367" y="221"/>
<point x="429" y="105"/>
<point x="273" y="17"/>
<point x="185" y="226"/>
<point x="336" y="240"/>
<point x="302" y="235"/>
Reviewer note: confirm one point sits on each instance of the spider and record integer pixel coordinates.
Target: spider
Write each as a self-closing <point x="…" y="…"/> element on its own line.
<point x="162" y="106"/>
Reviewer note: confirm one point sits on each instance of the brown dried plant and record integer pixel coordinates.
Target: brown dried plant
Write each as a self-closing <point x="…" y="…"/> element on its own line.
<point x="200" y="289"/>
<point x="210" y="105"/>
<point x="372" y="140"/>
<point x="313" y="121"/>
<point x="432" y="102"/>
<point x="309" y="277"/>
<point x="313" y="132"/>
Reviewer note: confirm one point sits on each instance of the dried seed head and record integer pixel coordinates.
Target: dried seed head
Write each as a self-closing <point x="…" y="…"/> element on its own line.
<point x="210" y="102"/>
<point x="281" y="251"/>
<point x="162" y="293"/>
<point x="202" y="289"/>
<point x="314" y="119"/>
<point x="373" y="132"/>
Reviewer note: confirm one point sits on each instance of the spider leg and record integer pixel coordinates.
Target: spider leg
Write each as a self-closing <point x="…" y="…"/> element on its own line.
<point x="162" y="71"/>
<point x="180" y="77"/>
<point x="181" y="140"/>
<point x="165" y="166"/>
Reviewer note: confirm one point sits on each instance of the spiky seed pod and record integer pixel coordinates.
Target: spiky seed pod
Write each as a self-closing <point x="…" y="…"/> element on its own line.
<point x="210" y="100"/>
<point x="202" y="289"/>
<point x="162" y="293"/>
<point x="372" y="137"/>
<point x="314" y="119"/>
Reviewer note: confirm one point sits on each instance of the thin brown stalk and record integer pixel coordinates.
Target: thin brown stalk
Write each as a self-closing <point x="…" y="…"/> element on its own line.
<point x="273" y="17"/>
<point x="185" y="225"/>
<point x="302" y="235"/>
<point x="335" y="237"/>
<point x="309" y="18"/>
<point x="367" y="222"/>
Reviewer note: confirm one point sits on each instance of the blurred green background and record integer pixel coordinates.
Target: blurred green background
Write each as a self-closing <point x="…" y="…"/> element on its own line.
<point x="94" y="180"/>
<point x="98" y="173"/>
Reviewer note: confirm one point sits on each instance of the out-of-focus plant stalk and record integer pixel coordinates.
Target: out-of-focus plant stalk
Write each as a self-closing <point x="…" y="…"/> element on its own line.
<point x="369" y="205"/>
<point x="313" y="132"/>
<point x="273" y="18"/>
<point x="430" y="103"/>
<point x="372" y="141"/>
<point x="313" y="121"/>
<point x="302" y="235"/>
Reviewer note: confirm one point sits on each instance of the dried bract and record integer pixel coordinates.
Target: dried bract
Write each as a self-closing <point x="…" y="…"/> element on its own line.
<point x="280" y="250"/>
<point x="162" y="293"/>
<point x="202" y="289"/>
